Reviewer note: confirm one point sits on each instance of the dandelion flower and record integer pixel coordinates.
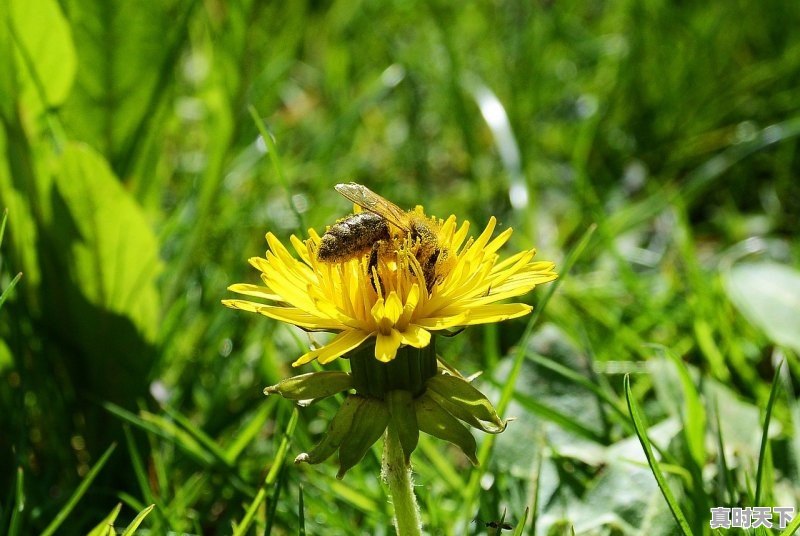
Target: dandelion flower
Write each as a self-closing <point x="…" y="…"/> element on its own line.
<point x="388" y="298"/>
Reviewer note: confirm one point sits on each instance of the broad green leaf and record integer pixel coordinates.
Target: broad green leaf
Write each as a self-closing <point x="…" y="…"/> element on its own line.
<point x="98" y="290"/>
<point x="113" y="252"/>
<point x="45" y="52"/>
<point x="8" y="82"/>
<point x="768" y="295"/>
<point x="126" y="52"/>
<point x="18" y="186"/>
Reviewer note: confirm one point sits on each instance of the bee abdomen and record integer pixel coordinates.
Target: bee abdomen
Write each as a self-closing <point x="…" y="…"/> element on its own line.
<point x="352" y="236"/>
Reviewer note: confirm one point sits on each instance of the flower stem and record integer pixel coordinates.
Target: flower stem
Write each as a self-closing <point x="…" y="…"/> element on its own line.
<point x="398" y="476"/>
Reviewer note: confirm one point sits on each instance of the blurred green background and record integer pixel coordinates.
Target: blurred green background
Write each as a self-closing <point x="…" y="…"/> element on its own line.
<point x="137" y="188"/>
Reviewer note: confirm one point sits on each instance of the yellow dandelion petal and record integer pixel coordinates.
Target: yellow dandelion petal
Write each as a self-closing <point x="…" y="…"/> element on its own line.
<point x="387" y="312"/>
<point x="485" y="314"/>
<point x="386" y="345"/>
<point x="301" y="248"/>
<point x="255" y="290"/>
<point x="498" y="241"/>
<point x="505" y="263"/>
<point x="443" y="322"/>
<point x="340" y="345"/>
<point x="500" y="277"/>
<point x="243" y="305"/>
<point x="480" y="243"/>
<point x="412" y="299"/>
<point x="503" y="292"/>
<point x="300" y="318"/>
<point x="460" y="235"/>
<point x="329" y="310"/>
<point x="416" y="336"/>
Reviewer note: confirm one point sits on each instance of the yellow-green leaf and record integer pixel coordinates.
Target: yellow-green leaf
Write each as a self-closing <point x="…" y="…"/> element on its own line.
<point x="46" y="61"/>
<point x="337" y="430"/>
<point x="404" y="420"/>
<point x="312" y="386"/>
<point x="434" y="420"/>
<point x="369" y="424"/>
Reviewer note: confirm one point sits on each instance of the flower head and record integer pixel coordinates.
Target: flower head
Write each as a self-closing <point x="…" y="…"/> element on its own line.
<point x="387" y="293"/>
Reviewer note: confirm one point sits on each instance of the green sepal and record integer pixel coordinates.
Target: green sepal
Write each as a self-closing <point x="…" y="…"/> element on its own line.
<point x="408" y="371"/>
<point x="369" y="423"/>
<point x="403" y="420"/>
<point x="337" y="430"/>
<point x="312" y="386"/>
<point x="463" y="401"/>
<point x="436" y="421"/>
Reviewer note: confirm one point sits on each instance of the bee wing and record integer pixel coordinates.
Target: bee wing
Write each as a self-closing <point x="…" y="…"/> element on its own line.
<point x="366" y="198"/>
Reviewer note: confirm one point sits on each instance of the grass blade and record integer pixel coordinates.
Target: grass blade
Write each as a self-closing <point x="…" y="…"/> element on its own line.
<point x="7" y="292"/>
<point x="536" y="479"/>
<point x="200" y="436"/>
<point x="19" y="504"/>
<point x="521" y="525"/>
<point x="585" y="383"/>
<point x="762" y="455"/>
<point x="137" y="463"/>
<point x="275" y="158"/>
<point x="641" y="432"/>
<point x="724" y="468"/>
<point x="3" y="225"/>
<point x="280" y="458"/>
<point x="251" y="429"/>
<point x="131" y="528"/>
<point x="106" y="526"/>
<point x="79" y="492"/>
<point x="562" y="420"/>
<point x="792" y="527"/>
<point x="301" y="514"/>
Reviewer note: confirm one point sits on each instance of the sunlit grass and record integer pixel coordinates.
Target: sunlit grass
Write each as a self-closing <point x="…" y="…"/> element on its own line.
<point x="145" y="152"/>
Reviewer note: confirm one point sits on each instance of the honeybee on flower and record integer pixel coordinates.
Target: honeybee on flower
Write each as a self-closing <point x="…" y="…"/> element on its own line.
<point x="413" y="275"/>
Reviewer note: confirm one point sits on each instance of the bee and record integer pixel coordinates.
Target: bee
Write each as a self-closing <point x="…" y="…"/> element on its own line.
<point x="369" y="232"/>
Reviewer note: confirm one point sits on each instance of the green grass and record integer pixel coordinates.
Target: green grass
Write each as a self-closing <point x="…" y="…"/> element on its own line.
<point x="146" y="148"/>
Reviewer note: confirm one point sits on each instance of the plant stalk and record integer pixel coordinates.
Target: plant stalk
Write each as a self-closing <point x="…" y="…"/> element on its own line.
<point x="398" y="476"/>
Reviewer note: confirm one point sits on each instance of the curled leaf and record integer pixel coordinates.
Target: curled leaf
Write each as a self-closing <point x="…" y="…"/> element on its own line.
<point x="337" y="431"/>
<point x="312" y="386"/>
<point x="369" y="423"/>
<point x="463" y="401"/>
<point x="436" y="421"/>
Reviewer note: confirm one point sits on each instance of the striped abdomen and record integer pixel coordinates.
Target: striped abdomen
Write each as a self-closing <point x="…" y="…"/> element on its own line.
<point x="352" y="236"/>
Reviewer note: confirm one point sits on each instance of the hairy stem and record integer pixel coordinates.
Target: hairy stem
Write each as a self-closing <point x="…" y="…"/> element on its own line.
<point x="398" y="476"/>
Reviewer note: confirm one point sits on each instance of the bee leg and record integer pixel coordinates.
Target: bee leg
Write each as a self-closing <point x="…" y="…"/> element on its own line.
<point x="372" y="266"/>
<point x="429" y="269"/>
